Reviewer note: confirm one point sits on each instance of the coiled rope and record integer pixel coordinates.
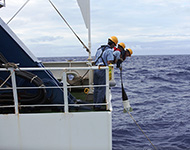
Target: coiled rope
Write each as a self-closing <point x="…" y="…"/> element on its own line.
<point x="25" y="98"/>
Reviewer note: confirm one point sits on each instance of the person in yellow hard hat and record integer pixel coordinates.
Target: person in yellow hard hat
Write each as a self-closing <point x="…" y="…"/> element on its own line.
<point x="118" y="52"/>
<point x="129" y="52"/>
<point x="103" y="57"/>
<point x="124" y="53"/>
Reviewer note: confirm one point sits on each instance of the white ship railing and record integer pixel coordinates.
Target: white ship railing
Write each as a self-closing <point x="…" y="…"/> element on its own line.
<point x="65" y="87"/>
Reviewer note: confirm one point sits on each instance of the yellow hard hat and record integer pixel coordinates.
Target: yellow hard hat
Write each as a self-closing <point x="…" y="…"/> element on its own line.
<point x="122" y="45"/>
<point x="114" y="39"/>
<point x="130" y="51"/>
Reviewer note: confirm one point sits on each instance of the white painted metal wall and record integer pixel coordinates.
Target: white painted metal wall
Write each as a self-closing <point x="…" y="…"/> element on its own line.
<point x="56" y="131"/>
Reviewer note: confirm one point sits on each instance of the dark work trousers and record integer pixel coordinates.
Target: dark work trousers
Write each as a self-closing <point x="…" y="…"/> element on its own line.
<point x="99" y="92"/>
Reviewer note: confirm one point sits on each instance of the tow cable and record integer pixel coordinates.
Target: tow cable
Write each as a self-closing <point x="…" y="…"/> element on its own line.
<point x="128" y="108"/>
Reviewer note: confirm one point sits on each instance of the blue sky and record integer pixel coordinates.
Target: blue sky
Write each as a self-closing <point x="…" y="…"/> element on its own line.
<point x="148" y="27"/>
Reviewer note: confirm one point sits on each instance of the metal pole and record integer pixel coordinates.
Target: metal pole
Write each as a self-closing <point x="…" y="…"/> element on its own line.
<point x="13" y="79"/>
<point x="89" y="53"/>
<point x="65" y="92"/>
<point x="91" y="80"/>
<point x="107" y="86"/>
<point x="89" y="36"/>
<point x="89" y="45"/>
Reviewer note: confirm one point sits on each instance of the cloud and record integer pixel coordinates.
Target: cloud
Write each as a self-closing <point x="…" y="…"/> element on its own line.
<point x="166" y="47"/>
<point x="46" y="39"/>
<point x="147" y="26"/>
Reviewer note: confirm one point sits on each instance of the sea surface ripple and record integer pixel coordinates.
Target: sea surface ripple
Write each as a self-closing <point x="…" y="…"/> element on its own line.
<point x="158" y="88"/>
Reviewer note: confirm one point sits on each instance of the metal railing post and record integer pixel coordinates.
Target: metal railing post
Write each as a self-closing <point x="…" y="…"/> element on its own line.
<point x="107" y="86"/>
<point x="65" y="95"/>
<point x="90" y="80"/>
<point x="15" y="96"/>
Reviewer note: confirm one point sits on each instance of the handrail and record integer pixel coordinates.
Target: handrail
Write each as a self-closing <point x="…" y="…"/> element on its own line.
<point x="53" y="105"/>
<point x="52" y="87"/>
<point x="57" y="68"/>
<point x="64" y="87"/>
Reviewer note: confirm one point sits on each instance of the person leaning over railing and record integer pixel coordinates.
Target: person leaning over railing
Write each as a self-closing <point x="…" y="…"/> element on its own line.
<point x="104" y="57"/>
<point x="120" y="54"/>
<point x="117" y="53"/>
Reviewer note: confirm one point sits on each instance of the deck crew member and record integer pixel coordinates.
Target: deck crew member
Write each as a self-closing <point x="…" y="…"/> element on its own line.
<point x="118" y="53"/>
<point x="126" y="53"/>
<point x="104" y="56"/>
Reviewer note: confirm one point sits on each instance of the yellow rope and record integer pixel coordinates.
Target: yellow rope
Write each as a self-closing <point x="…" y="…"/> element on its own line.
<point x="141" y="130"/>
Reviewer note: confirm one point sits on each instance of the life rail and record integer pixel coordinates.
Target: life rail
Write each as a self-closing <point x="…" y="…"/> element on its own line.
<point x="64" y="86"/>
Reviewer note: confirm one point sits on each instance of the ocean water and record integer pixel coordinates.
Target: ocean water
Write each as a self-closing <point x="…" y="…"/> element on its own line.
<point x="158" y="88"/>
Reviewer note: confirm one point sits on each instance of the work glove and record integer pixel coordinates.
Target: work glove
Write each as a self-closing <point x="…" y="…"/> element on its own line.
<point x="119" y="63"/>
<point x="120" y="68"/>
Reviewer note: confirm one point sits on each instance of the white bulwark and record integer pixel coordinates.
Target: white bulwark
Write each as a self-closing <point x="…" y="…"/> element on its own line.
<point x="56" y="131"/>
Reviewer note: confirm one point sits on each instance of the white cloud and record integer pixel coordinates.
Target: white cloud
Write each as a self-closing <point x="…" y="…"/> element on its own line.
<point x="135" y="22"/>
